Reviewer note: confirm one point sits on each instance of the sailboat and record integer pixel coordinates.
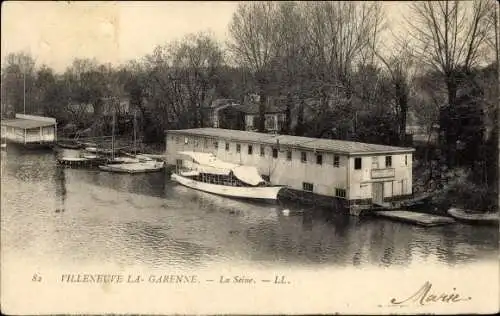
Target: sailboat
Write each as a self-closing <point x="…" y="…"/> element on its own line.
<point x="130" y="164"/>
<point x="204" y="172"/>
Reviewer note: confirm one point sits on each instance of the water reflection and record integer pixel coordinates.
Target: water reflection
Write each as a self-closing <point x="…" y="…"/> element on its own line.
<point x="157" y="247"/>
<point x="89" y="216"/>
<point x="60" y="176"/>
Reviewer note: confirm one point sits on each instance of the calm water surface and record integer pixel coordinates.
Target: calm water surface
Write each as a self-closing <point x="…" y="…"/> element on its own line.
<point x="148" y="220"/>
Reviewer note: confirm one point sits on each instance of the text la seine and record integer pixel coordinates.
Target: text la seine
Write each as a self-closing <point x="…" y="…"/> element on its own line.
<point x="118" y="278"/>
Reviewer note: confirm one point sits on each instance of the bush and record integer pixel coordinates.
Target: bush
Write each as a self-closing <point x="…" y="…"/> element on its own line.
<point x="461" y="192"/>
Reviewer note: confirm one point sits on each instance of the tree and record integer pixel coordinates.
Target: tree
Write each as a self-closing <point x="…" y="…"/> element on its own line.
<point x="449" y="38"/>
<point x="87" y="84"/>
<point x="178" y="79"/>
<point x="339" y="35"/>
<point x="253" y="31"/>
<point x="52" y="96"/>
<point x="18" y="76"/>
<point x="198" y="60"/>
<point x="289" y="65"/>
<point x="401" y="70"/>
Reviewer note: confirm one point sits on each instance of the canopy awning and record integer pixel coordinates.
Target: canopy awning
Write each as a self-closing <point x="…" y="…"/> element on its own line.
<point x="208" y="163"/>
<point x="249" y="175"/>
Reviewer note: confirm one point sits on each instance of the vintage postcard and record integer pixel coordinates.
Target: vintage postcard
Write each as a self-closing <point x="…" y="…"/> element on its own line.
<point x="211" y="157"/>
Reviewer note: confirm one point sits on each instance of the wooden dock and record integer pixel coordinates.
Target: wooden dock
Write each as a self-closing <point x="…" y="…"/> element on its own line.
<point x="421" y="219"/>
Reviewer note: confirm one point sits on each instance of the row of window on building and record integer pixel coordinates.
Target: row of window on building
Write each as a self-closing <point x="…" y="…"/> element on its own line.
<point x="250" y="151"/>
<point x="309" y="187"/>
<point x="303" y="154"/>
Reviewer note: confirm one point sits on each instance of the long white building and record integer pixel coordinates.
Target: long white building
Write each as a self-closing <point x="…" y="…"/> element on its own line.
<point x="351" y="172"/>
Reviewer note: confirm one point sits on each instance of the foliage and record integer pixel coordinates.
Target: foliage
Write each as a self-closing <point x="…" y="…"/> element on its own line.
<point x="325" y="58"/>
<point x="450" y="38"/>
<point x="462" y="192"/>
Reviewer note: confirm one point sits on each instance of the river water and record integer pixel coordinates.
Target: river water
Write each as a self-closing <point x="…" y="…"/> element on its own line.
<point x="88" y="217"/>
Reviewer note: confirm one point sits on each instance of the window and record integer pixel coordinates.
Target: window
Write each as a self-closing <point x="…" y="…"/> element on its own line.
<point x="262" y="152"/>
<point x="250" y="150"/>
<point x="195" y="142"/>
<point x="388" y="161"/>
<point x="205" y="143"/>
<point x="303" y="156"/>
<point x="255" y="121"/>
<point x="340" y="193"/>
<point x="271" y="122"/>
<point x="357" y="163"/>
<point x="319" y="159"/>
<point x="186" y="140"/>
<point x="178" y="163"/>
<point x="238" y="148"/>
<point x="306" y="186"/>
<point x="216" y="144"/>
<point x="275" y="152"/>
<point x="375" y="162"/>
<point x="176" y="139"/>
<point x="227" y="146"/>
<point x="289" y="155"/>
<point x="406" y="160"/>
<point x="336" y="161"/>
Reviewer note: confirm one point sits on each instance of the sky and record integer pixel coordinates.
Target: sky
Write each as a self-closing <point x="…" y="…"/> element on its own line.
<point x="55" y="33"/>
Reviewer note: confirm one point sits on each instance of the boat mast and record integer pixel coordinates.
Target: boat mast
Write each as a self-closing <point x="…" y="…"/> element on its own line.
<point x="135" y="133"/>
<point x="113" y="138"/>
<point x="24" y="91"/>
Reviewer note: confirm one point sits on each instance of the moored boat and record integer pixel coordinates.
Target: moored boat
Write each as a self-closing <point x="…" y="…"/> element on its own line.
<point x="82" y="160"/>
<point x="204" y="172"/>
<point x="75" y="161"/>
<point x="136" y="167"/>
<point x="474" y="217"/>
<point x="68" y="145"/>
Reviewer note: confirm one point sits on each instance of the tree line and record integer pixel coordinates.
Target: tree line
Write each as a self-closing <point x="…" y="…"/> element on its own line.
<point x="328" y="59"/>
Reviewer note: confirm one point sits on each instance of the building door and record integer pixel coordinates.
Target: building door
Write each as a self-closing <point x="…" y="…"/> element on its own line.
<point x="378" y="193"/>
<point x="404" y="187"/>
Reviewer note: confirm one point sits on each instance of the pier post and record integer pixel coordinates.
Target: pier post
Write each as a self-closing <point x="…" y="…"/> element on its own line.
<point x="355" y="210"/>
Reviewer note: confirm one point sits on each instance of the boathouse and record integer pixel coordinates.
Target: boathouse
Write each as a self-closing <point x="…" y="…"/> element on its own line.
<point x="30" y="130"/>
<point x="352" y="172"/>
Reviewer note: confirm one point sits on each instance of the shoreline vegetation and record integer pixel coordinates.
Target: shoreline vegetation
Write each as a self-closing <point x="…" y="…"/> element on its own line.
<point x="325" y="64"/>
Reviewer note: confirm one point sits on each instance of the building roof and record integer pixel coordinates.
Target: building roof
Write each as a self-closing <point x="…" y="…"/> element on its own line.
<point x="253" y="108"/>
<point x="308" y="143"/>
<point x="219" y="102"/>
<point x="25" y="123"/>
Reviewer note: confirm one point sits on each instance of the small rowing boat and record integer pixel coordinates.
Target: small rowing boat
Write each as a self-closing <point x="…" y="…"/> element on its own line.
<point x="474" y="217"/>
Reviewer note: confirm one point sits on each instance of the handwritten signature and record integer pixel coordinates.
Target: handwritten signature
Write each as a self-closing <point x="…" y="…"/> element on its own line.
<point x="425" y="296"/>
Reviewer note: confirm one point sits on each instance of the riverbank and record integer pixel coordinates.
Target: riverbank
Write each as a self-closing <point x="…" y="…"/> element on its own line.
<point x="453" y="188"/>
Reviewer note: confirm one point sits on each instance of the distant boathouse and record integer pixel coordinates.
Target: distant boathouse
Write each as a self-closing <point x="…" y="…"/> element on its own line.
<point x="351" y="173"/>
<point x="30" y="130"/>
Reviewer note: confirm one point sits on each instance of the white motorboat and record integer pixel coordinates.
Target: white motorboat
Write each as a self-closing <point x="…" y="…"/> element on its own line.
<point x="204" y="172"/>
